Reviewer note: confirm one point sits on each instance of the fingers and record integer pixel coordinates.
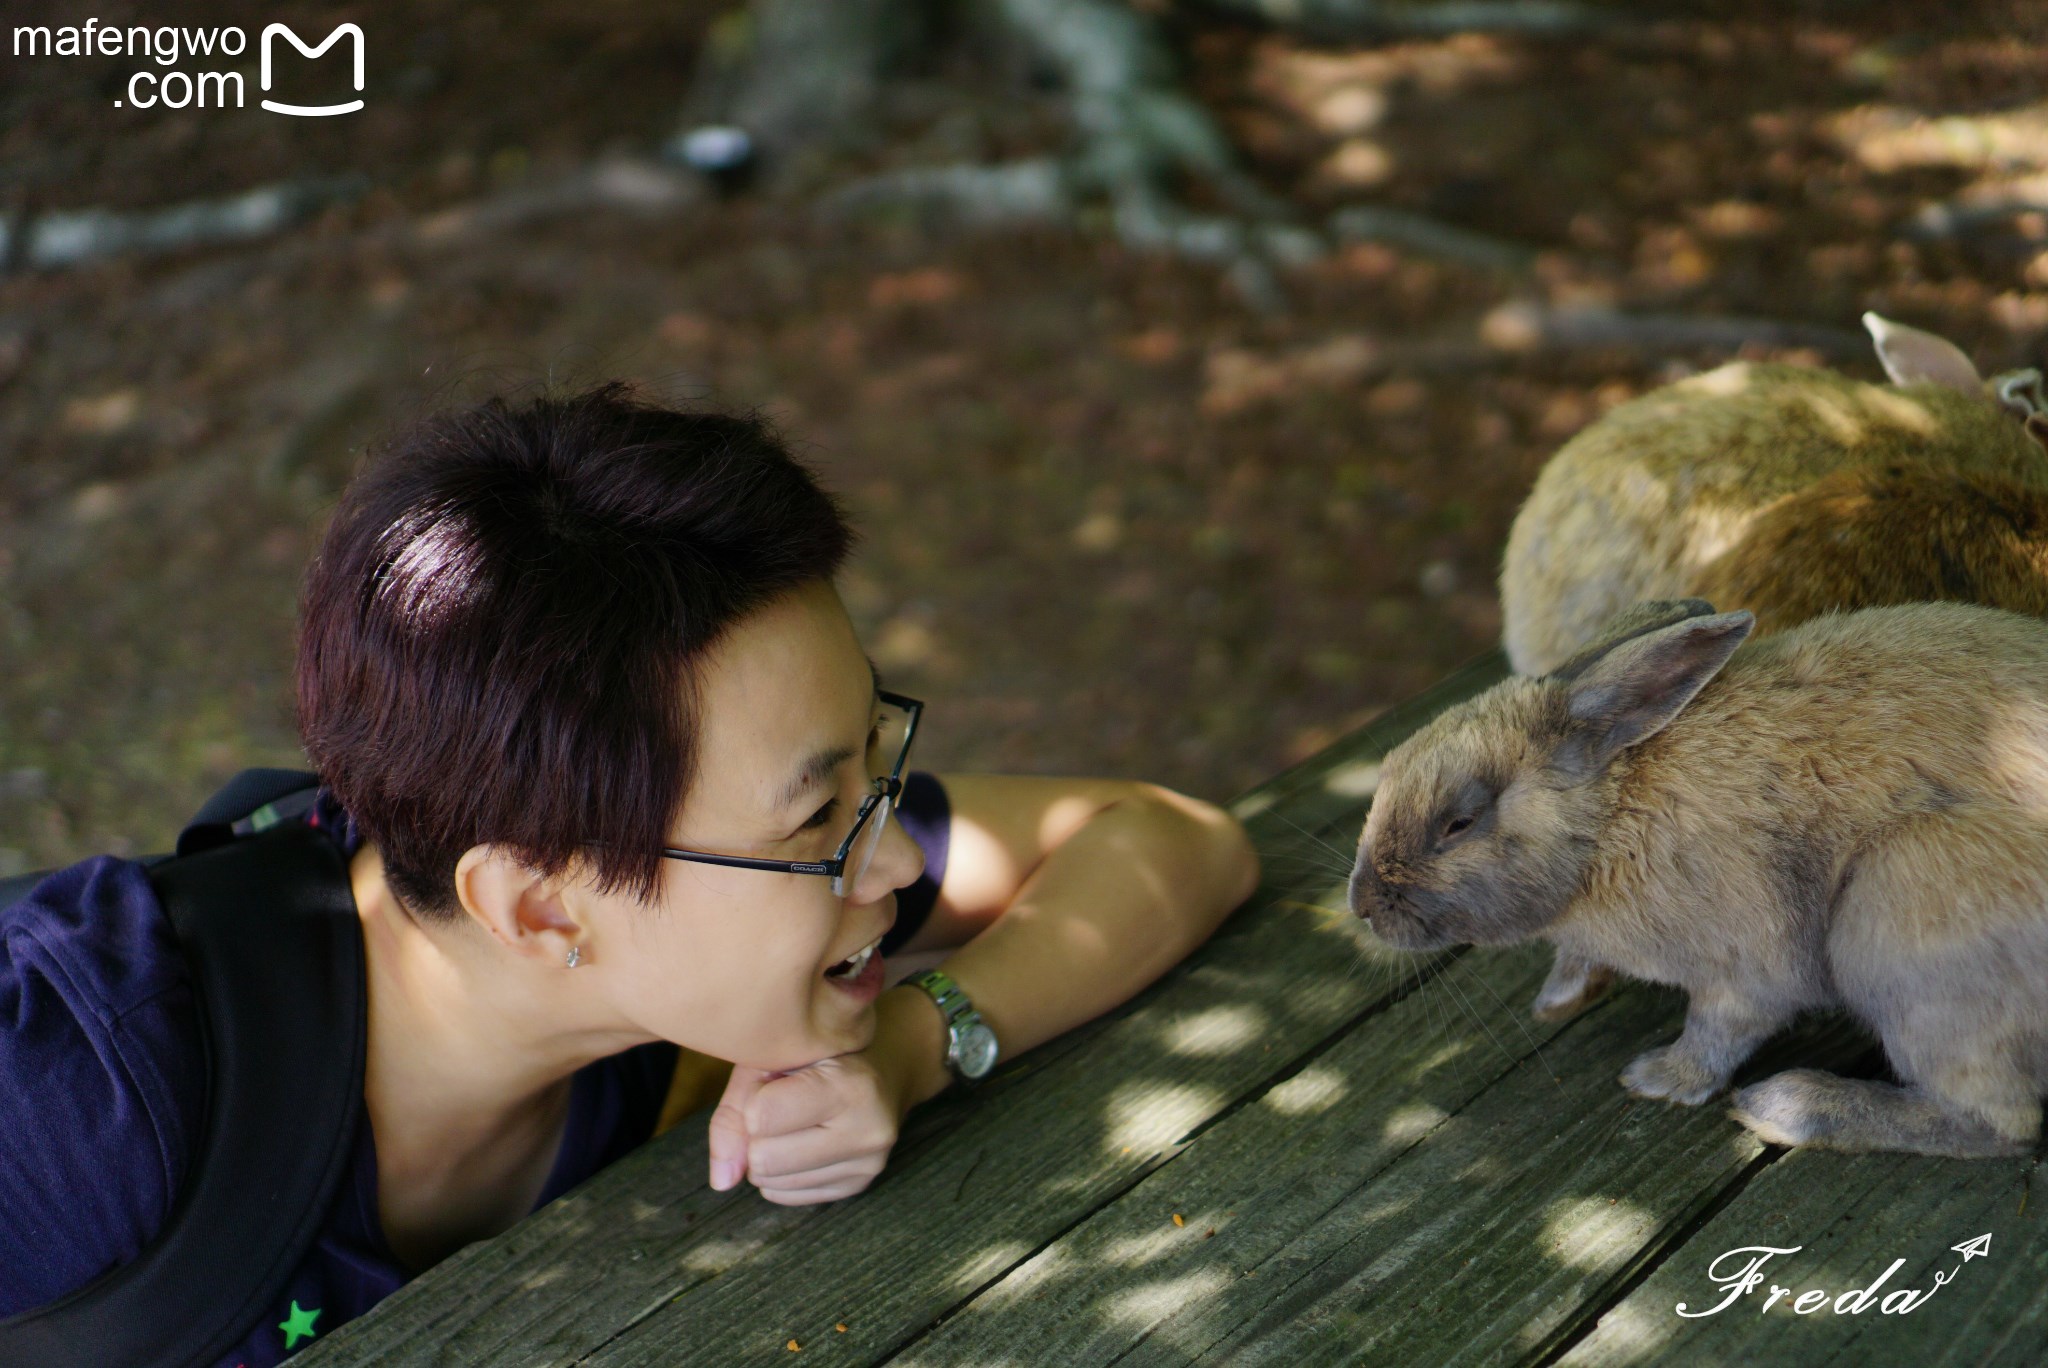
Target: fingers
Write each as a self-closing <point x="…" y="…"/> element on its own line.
<point x="779" y="1157"/>
<point x="728" y="1129"/>
<point x="816" y="1134"/>
<point x="828" y="1184"/>
<point x="807" y="1097"/>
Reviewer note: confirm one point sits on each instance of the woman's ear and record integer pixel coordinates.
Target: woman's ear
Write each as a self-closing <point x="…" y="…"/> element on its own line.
<point x="1634" y="690"/>
<point x="520" y="908"/>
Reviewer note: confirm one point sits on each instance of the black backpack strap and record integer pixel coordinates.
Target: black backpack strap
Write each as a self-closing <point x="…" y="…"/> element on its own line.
<point x="276" y="953"/>
<point x="252" y="801"/>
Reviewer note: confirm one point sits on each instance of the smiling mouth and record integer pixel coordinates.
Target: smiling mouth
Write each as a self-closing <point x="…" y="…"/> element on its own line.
<point x="855" y="962"/>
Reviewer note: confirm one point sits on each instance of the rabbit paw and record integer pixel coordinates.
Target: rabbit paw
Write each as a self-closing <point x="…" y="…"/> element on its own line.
<point x="1671" y="1074"/>
<point x="1783" y="1109"/>
<point x="1572" y="987"/>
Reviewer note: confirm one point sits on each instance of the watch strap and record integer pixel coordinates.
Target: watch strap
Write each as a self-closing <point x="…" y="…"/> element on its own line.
<point x="959" y="1014"/>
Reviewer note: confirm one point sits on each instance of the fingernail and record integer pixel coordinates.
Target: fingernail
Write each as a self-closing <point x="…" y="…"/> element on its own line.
<point x="724" y="1173"/>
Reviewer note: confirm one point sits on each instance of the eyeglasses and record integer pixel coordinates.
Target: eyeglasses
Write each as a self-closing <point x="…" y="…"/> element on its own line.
<point x="898" y="725"/>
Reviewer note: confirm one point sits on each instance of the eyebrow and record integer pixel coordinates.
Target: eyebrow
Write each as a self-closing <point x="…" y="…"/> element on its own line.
<point x="815" y="770"/>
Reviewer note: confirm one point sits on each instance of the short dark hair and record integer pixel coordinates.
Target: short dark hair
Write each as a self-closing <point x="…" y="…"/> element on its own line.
<point x="499" y="634"/>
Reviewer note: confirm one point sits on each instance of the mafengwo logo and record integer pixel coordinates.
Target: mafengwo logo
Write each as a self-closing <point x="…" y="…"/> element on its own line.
<point x="173" y="49"/>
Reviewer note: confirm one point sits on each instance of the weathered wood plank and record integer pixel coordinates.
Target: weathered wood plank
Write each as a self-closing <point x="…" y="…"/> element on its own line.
<point x="1026" y="1166"/>
<point x="1482" y="1242"/>
<point x="644" y="1263"/>
<point x="1258" y="1182"/>
<point x="1850" y="1216"/>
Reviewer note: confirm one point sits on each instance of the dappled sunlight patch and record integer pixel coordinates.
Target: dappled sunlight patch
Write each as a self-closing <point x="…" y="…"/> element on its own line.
<point x="1722" y="381"/>
<point x="1841" y="424"/>
<point x="1216" y="1031"/>
<point x="714" y="1256"/>
<point x="1147" y="1115"/>
<point x="1251" y="805"/>
<point x="1360" y="779"/>
<point x="2016" y="752"/>
<point x="987" y="1263"/>
<point x="1595" y="1233"/>
<point x="1410" y="1123"/>
<point x="1315" y="1089"/>
<point x="1904" y="411"/>
<point x="1487" y="1169"/>
<point x="1347" y="90"/>
<point x="1238" y="378"/>
<point x="1032" y="1278"/>
<point x="1156" y="1241"/>
<point x="1715" y="530"/>
<point x="1328" y="906"/>
<point x="1629" y="1333"/>
<point x="1381" y="1206"/>
<point x="1156" y="1301"/>
<point x="1449" y="1053"/>
<point x="1888" y="138"/>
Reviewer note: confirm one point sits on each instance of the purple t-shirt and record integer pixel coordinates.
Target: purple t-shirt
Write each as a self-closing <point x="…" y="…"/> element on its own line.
<point x="103" y="1086"/>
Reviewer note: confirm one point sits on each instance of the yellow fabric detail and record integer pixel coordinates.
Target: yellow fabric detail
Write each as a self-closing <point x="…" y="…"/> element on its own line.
<point x="698" y="1082"/>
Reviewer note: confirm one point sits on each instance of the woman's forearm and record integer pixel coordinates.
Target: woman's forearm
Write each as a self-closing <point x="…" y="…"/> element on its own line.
<point x="1107" y="911"/>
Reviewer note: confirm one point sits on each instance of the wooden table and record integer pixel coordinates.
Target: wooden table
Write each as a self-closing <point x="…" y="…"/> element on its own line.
<point x="1289" y="1150"/>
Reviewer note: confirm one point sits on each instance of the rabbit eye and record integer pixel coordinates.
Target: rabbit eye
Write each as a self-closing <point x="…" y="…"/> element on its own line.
<point x="1456" y="825"/>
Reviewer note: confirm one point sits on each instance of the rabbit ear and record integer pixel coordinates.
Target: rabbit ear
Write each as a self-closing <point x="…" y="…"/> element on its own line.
<point x="1637" y="687"/>
<point x="1913" y="357"/>
<point x="1632" y="621"/>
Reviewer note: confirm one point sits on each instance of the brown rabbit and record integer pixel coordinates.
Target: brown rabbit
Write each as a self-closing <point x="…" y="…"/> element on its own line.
<point x="1647" y="502"/>
<point x="1903" y="533"/>
<point x="1851" y="814"/>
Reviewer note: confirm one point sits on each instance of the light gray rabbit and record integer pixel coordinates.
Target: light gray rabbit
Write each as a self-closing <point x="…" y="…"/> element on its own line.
<point x="1853" y="813"/>
<point x="1660" y="498"/>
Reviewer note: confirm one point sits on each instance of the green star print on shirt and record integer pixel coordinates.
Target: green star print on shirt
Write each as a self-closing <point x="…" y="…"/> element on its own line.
<point x="298" y="1326"/>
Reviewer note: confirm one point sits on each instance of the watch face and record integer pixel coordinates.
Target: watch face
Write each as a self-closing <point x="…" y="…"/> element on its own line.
<point x="977" y="1050"/>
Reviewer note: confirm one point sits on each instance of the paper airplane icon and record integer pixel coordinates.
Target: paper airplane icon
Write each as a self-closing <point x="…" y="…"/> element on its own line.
<point x="1971" y="1249"/>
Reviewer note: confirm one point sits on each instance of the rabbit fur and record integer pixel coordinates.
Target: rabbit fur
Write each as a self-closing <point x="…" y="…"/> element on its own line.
<point x="1903" y="533"/>
<point x="1852" y="814"/>
<point x="1644" y="503"/>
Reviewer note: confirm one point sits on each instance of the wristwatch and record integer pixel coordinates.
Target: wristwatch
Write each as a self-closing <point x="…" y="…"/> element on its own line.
<point x="970" y="1045"/>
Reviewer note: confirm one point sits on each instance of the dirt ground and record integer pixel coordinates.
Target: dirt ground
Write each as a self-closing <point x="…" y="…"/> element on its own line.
<point x="1115" y="520"/>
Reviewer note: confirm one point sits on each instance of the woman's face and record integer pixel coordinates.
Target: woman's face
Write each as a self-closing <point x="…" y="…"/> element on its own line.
<point x="733" y="962"/>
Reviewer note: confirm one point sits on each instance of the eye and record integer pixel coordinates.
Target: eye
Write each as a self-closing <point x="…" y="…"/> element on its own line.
<point x="1455" y="826"/>
<point x="821" y="816"/>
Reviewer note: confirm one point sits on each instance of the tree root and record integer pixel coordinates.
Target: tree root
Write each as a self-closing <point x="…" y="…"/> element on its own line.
<point x="1429" y="237"/>
<point x="1979" y="207"/>
<point x="1525" y="326"/>
<point x="62" y="238"/>
<point x="811" y="69"/>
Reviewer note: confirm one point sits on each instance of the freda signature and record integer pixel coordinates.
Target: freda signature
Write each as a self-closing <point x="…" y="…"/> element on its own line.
<point x="1740" y="1272"/>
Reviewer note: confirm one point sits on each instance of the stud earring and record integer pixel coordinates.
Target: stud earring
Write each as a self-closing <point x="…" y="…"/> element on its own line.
<point x="575" y="955"/>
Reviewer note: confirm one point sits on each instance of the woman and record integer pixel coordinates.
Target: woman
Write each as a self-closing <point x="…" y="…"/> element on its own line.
<point x="613" y="777"/>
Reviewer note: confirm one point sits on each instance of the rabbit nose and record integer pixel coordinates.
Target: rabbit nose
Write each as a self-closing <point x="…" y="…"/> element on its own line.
<point x="1366" y="891"/>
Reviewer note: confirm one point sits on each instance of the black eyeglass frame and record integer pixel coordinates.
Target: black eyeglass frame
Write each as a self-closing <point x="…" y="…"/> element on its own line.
<point x="889" y="786"/>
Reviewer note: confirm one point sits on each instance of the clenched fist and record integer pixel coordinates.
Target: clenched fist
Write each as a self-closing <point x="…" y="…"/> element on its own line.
<point x="816" y="1134"/>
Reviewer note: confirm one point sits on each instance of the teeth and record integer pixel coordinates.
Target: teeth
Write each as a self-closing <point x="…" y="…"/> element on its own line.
<point x="857" y="961"/>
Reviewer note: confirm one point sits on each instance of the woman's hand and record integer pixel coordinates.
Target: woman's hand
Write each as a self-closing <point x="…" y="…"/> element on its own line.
<point x="816" y="1134"/>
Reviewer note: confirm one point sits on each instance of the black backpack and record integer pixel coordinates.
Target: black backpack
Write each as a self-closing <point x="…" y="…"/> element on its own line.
<point x="262" y="907"/>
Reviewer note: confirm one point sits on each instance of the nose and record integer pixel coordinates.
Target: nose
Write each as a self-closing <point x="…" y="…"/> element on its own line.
<point x="1366" y="890"/>
<point x="897" y="864"/>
